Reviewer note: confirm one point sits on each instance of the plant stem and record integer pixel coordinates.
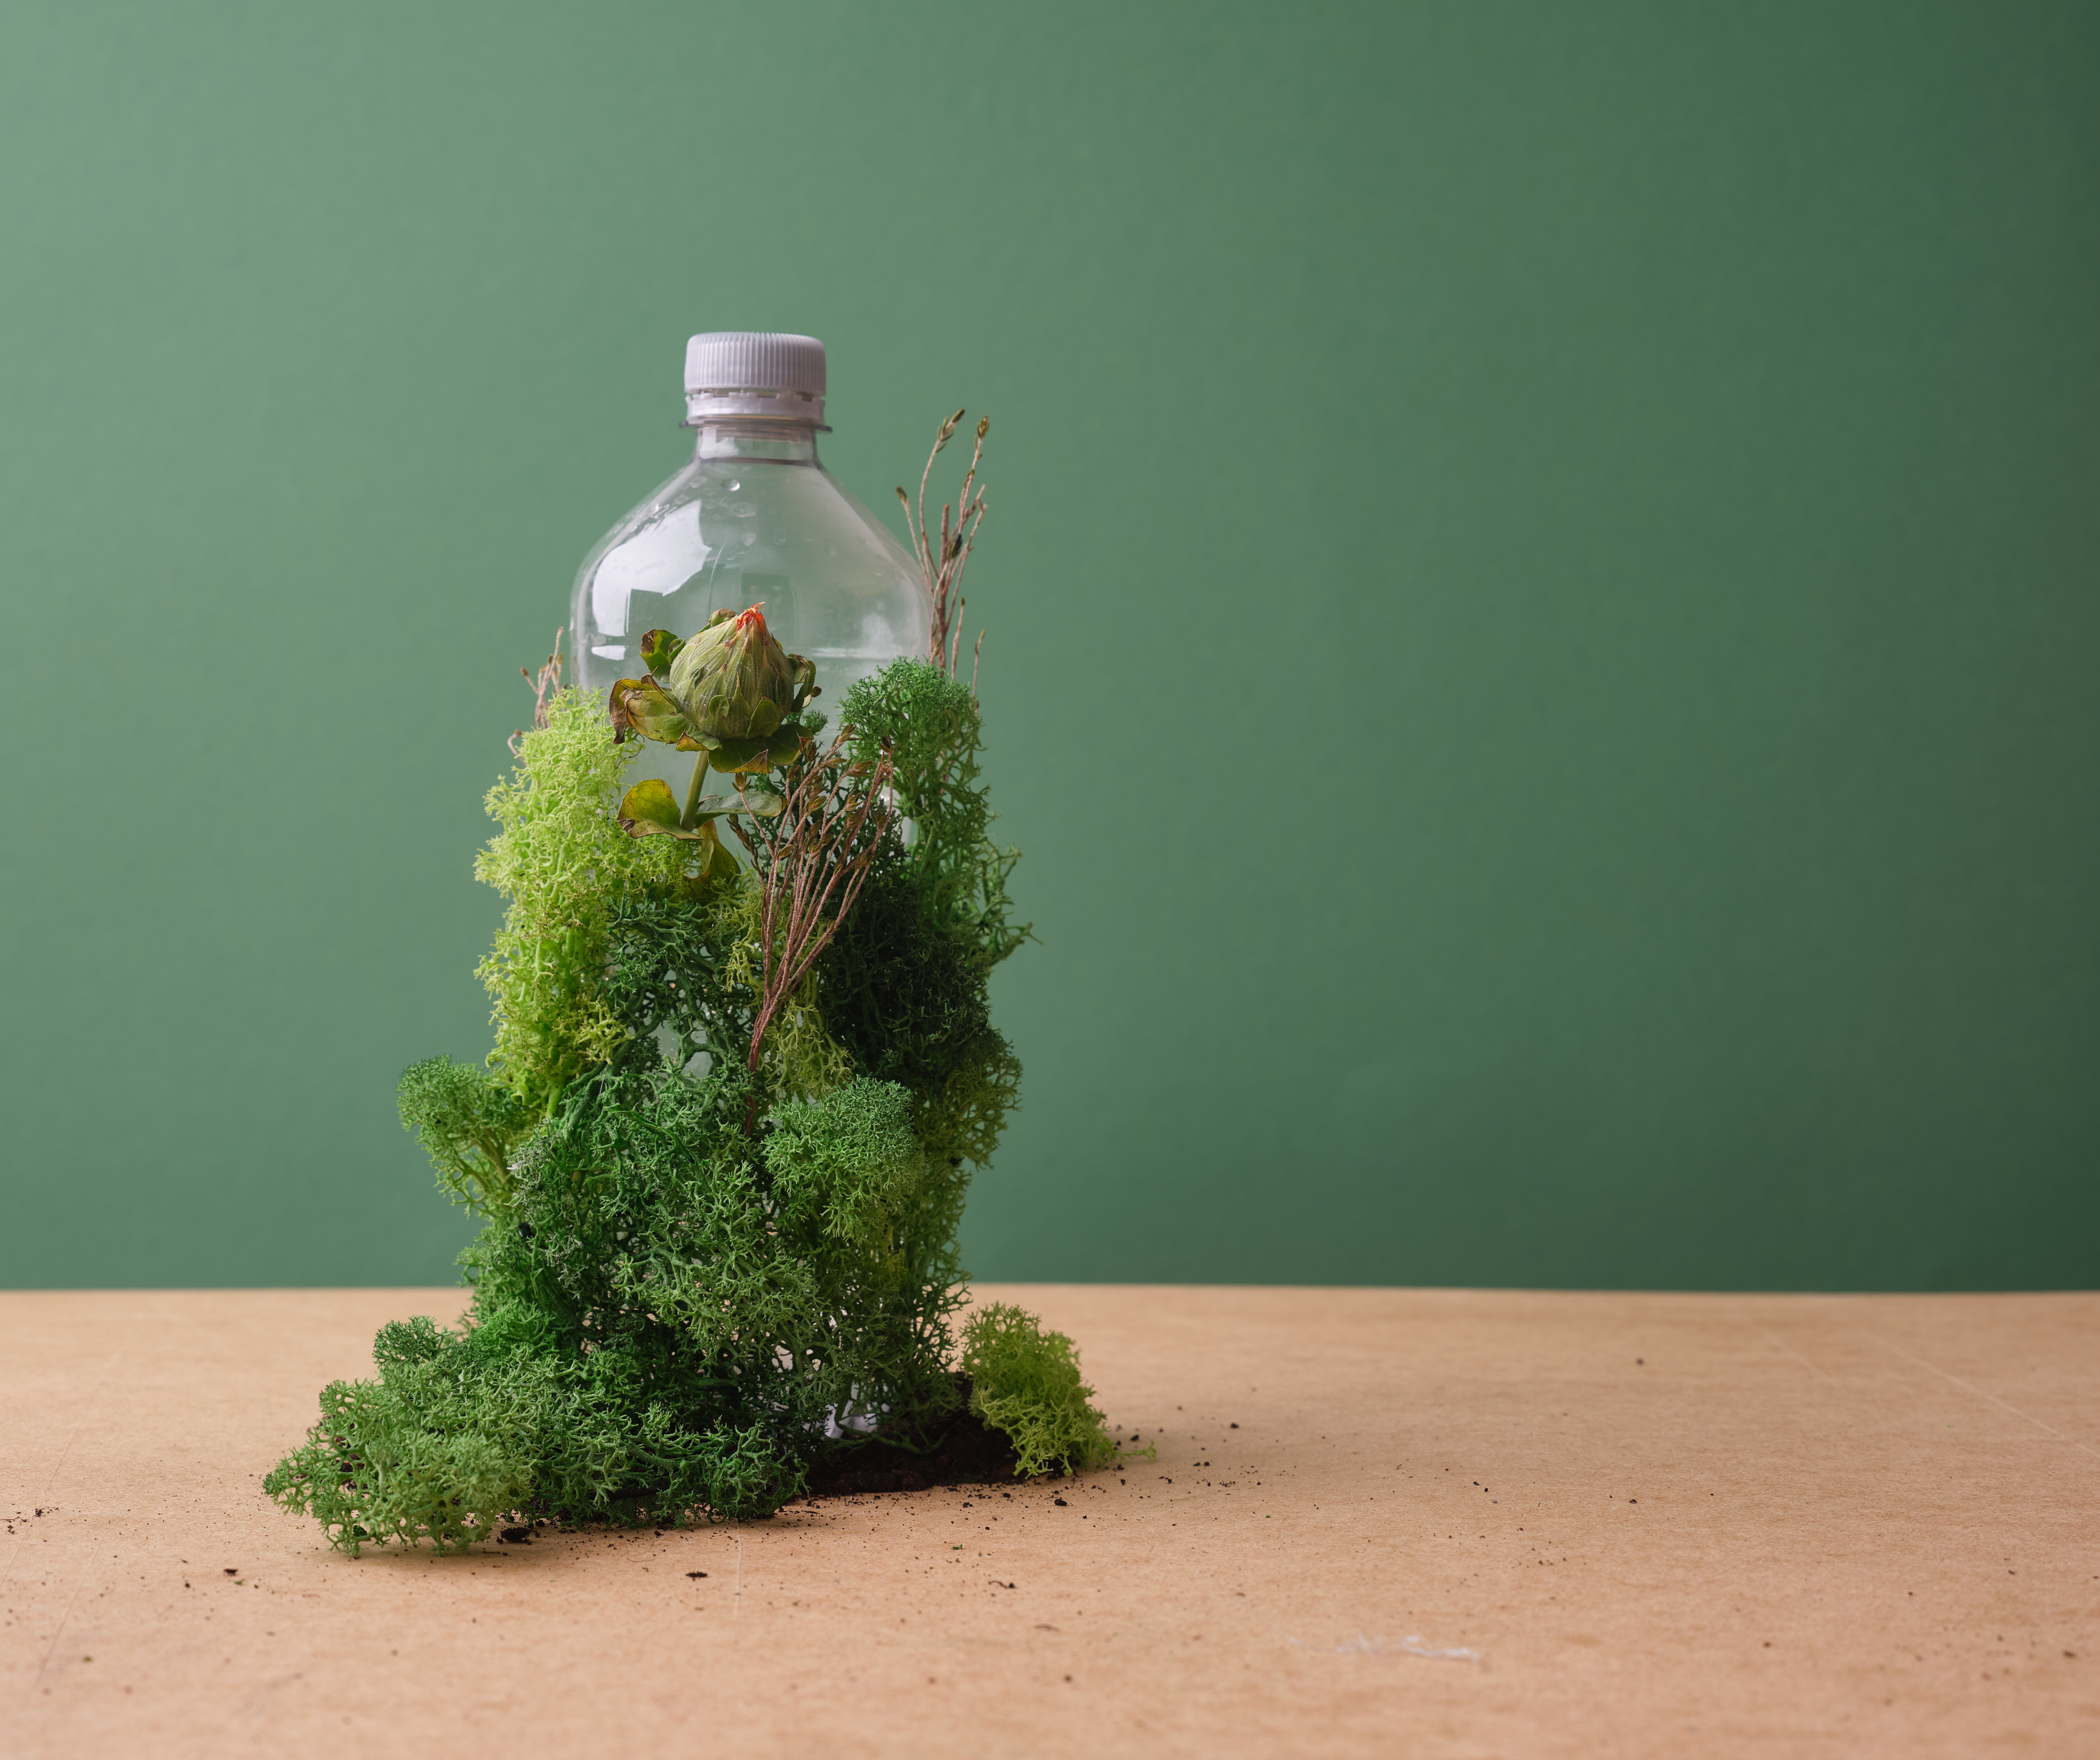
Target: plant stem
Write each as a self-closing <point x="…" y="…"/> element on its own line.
<point x="693" y="792"/>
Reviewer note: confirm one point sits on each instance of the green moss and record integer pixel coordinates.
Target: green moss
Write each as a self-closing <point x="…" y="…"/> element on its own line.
<point x="694" y="1270"/>
<point x="960" y="1113"/>
<point x="463" y="1431"/>
<point x="1027" y="1381"/>
<point x="859" y="1203"/>
<point x="471" y="1124"/>
<point x="677" y="974"/>
<point x="416" y="1456"/>
<point x="904" y="997"/>
<point x="801" y="1059"/>
<point x="563" y="863"/>
<point x="663" y="1326"/>
<point x="903" y="985"/>
<point x="934" y="731"/>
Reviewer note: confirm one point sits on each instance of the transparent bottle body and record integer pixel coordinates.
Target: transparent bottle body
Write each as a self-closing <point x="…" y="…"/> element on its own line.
<point x="754" y="519"/>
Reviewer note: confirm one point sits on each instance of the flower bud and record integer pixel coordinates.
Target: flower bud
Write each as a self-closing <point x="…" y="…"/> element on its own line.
<point x="733" y="681"/>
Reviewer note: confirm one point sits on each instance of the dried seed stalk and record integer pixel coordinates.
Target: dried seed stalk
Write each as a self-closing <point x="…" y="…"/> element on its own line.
<point x="544" y="684"/>
<point x="815" y="860"/>
<point x="941" y="560"/>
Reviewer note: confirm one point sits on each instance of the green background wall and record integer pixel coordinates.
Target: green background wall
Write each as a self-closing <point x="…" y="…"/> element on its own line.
<point x="1544" y="629"/>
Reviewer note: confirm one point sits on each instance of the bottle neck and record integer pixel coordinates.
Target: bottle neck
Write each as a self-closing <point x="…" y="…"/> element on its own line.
<point x="779" y="442"/>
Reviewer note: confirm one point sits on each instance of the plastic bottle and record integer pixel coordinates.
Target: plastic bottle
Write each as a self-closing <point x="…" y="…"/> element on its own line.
<point x="754" y="519"/>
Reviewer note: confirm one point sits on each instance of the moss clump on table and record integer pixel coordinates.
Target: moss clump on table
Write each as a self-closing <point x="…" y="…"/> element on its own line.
<point x="723" y="1142"/>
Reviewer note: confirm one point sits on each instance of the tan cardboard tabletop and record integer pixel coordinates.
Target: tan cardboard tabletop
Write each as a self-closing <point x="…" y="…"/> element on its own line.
<point x="1382" y="1522"/>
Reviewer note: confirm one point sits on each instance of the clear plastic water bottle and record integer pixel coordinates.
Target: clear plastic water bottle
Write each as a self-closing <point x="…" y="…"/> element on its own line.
<point x="754" y="519"/>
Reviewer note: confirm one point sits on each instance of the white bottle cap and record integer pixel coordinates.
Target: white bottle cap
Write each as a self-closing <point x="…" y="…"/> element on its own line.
<point x="763" y="373"/>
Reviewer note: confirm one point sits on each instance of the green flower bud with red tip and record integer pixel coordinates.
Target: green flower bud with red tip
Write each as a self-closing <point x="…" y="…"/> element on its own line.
<point x="733" y="681"/>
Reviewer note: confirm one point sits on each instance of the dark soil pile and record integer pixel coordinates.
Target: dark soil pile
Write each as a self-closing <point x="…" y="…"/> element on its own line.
<point x="971" y="1452"/>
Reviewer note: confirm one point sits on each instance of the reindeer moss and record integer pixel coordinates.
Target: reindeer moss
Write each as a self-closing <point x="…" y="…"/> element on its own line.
<point x="703" y="1274"/>
<point x="563" y="864"/>
<point x="1027" y="1381"/>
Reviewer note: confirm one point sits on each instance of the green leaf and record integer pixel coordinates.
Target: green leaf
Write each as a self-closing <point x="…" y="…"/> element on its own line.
<point x="762" y="804"/>
<point x="805" y="673"/>
<point x="729" y="756"/>
<point x="717" y="865"/>
<point x="761" y="753"/>
<point x="660" y="648"/>
<point x="649" y="806"/>
<point x="642" y="705"/>
<point x="650" y="809"/>
<point x="615" y="706"/>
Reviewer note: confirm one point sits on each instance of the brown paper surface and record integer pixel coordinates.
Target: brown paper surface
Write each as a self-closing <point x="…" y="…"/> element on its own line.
<point x="1448" y="1523"/>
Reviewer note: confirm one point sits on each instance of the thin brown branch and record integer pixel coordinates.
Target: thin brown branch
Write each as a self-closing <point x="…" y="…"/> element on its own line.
<point x="941" y="560"/>
<point x="918" y="528"/>
<point x="817" y="858"/>
<point x="544" y="684"/>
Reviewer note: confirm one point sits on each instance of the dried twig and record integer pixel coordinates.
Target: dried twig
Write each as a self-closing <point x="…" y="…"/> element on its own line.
<point x="815" y="857"/>
<point x="544" y="684"/>
<point x="941" y="560"/>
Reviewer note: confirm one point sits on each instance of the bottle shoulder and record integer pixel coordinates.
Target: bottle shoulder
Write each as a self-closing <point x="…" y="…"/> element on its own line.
<point x="721" y="534"/>
<point x="662" y="501"/>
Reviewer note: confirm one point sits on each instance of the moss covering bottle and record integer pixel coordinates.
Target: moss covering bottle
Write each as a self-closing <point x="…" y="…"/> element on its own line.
<point x="754" y="519"/>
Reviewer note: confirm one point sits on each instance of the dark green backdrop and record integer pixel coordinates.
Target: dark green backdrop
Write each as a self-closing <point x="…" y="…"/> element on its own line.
<point x="1542" y="593"/>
